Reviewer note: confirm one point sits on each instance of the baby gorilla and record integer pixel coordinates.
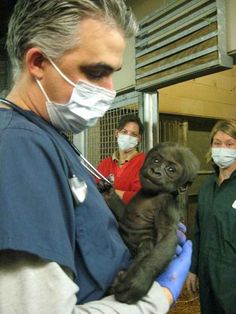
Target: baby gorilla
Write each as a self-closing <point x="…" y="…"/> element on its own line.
<point x="148" y="224"/>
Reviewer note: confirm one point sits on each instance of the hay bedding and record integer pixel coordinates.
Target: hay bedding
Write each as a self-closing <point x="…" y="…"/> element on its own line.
<point x="186" y="304"/>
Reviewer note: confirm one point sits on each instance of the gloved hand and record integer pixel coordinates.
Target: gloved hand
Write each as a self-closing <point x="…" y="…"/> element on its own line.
<point x="174" y="276"/>
<point x="181" y="237"/>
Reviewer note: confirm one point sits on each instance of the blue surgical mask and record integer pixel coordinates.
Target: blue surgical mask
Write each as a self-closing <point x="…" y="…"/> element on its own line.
<point x="223" y="157"/>
<point x="126" y="142"/>
<point x="87" y="103"/>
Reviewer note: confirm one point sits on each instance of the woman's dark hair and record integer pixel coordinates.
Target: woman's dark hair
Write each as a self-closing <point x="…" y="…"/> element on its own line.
<point x="130" y="118"/>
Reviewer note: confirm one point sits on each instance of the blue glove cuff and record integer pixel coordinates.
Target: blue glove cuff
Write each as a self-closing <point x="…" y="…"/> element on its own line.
<point x="174" y="276"/>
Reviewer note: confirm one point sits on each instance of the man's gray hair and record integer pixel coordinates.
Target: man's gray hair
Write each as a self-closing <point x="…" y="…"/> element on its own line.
<point x="52" y="25"/>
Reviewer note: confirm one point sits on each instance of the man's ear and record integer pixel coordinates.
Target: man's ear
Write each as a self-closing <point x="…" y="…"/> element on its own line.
<point x="116" y="132"/>
<point x="35" y="62"/>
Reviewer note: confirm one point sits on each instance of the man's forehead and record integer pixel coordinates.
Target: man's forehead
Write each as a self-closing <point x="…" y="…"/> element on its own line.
<point x="100" y="42"/>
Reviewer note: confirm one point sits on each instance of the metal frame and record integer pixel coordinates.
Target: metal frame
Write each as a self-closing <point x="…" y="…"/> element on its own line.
<point x="150" y="120"/>
<point x="171" y="25"/>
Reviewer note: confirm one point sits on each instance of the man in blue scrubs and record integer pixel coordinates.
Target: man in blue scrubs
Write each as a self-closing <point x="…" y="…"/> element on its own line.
<point x="59" y="243"/>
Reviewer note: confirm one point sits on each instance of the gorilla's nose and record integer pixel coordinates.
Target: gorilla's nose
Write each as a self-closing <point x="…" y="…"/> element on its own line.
<point x="157" y="172"/>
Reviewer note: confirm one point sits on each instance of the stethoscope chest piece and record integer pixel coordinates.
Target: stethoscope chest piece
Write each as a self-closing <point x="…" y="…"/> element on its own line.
<point x="78" y="189"/>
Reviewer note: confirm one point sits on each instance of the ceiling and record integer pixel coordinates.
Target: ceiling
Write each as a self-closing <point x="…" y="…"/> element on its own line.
<point x="6" y="7"/>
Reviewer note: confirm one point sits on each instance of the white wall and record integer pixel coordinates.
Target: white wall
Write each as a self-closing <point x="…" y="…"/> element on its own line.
<point x="125" y="78"/>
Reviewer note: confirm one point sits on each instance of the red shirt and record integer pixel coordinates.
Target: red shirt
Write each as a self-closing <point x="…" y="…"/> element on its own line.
<point x="126" y="176"/>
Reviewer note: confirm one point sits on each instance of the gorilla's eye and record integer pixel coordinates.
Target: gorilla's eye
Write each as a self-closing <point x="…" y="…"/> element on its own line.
<point x="171" y="169"/>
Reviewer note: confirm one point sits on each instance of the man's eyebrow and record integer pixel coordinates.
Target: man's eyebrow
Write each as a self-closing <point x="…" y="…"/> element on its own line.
<point x="99" y="66"/>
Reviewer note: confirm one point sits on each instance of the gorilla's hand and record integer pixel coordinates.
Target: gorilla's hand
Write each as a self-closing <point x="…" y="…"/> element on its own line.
<point x="103" y="186"/>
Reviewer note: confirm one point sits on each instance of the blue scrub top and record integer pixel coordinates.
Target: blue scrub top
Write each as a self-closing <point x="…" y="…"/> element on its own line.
<point x="38" y="212"/>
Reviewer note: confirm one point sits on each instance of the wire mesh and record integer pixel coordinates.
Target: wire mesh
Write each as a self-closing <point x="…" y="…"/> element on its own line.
<point x="101" y="139"/>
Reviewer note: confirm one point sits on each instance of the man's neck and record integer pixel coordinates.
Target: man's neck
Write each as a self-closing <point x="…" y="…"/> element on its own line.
<point x="26" y="95"/>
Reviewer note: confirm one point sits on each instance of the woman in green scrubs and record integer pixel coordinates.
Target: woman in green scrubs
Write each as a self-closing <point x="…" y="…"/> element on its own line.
<point x="214" y="250"/>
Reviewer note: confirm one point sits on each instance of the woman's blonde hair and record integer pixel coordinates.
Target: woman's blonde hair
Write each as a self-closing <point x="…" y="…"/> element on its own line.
<point x="226" y="126"/>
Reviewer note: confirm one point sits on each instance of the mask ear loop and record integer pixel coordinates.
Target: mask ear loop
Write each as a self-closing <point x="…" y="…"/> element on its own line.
<point x="110" y="92"/>
<point x="42" y="89"/>
<point x="61" y="73"/>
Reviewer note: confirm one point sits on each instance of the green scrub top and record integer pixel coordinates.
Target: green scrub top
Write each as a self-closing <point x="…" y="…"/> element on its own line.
<point x="214" y="247"/>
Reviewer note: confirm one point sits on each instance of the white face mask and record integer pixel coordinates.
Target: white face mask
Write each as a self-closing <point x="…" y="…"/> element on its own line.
<point x="223" y="157"/>
<point x="126" y="142"/>
<point x="87" y="103"/>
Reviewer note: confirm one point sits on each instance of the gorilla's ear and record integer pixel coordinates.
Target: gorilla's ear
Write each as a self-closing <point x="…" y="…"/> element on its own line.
<point x="184" y="187"/>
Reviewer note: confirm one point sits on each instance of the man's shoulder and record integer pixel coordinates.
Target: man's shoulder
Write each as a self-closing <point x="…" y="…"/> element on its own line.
<point x="13" y="122"/>
<point x="30" y="144"/>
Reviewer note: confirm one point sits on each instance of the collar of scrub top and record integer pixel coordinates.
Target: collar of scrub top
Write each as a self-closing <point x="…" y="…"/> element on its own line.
<point x="78" y="187"/>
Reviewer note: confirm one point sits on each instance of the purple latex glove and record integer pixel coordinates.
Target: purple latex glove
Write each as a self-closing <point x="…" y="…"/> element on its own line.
<point x="181" y="237"/>
<point x="174" y="276"/>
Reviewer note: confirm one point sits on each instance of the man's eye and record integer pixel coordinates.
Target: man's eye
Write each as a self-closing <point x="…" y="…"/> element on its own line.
<point x="95" y="75"/>
<point x="96" y="71"/>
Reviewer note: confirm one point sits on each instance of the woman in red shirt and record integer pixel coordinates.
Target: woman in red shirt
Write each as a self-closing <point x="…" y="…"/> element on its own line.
<point x="123" y="166"/>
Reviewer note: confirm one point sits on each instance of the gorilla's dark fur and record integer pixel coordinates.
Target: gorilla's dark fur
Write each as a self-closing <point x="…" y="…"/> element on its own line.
<point x="148" y="224"/>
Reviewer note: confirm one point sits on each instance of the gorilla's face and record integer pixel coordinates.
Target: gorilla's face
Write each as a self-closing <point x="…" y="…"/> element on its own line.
<point x="161" y="171"/>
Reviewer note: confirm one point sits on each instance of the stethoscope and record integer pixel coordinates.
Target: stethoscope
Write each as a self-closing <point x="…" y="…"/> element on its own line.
<point x="78" y="187"/>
